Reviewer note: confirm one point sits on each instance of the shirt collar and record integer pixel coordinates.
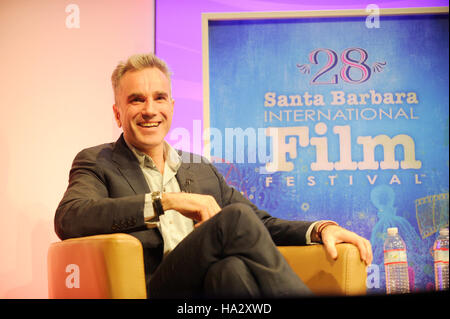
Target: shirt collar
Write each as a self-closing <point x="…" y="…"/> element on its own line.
<point x="173" y="160"/>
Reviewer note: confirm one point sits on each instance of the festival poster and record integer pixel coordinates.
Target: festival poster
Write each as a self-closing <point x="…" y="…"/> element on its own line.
<point x="326" y="117"/>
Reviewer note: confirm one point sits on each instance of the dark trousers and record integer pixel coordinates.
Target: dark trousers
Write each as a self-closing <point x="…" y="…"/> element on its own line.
<point x="229" y="256"/>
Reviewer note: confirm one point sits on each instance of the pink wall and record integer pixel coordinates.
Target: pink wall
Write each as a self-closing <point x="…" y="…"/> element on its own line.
<point x="55" y="98"/>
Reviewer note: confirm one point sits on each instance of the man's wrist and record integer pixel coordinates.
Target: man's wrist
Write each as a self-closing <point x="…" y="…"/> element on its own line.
<point x="316" y="234"/>
<point x="167" y="201"/>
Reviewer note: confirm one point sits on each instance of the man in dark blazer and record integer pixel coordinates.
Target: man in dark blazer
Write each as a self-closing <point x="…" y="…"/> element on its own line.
<point x="201" y="237"/>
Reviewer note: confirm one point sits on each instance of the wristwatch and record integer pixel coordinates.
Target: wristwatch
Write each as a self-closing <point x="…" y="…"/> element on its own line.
<point x="157" y="205"/>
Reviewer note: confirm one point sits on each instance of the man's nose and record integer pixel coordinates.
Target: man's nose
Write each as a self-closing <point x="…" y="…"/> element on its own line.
<point x="148" y="108"/>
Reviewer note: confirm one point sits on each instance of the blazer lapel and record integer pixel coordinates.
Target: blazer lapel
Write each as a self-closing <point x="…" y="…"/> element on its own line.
<point x="186" y="179"/>
<point x="128" y="166"/>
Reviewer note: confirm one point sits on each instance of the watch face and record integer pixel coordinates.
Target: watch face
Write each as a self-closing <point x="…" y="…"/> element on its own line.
<point x="156" y="195"/>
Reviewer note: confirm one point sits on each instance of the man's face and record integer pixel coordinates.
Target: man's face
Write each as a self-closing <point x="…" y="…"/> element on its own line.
<point x="144" y="108"/>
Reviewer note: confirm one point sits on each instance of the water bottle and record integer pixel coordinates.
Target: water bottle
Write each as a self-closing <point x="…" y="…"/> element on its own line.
<point x="395" y="263"/>
<point x="440" y="255"/>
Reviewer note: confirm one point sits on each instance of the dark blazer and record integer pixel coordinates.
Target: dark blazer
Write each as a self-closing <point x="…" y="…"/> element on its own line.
<point x="106" y="195"/>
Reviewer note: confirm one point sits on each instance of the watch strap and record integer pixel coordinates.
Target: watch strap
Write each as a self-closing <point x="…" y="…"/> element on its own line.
<point x="157" y="204"/>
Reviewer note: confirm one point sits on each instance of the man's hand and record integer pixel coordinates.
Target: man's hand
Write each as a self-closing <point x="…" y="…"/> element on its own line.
<point x="332" y="235"/>
<point x="194" y="206"/>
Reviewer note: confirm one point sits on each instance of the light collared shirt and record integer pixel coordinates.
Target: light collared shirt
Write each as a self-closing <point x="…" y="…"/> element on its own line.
<point x="174" y="227"/>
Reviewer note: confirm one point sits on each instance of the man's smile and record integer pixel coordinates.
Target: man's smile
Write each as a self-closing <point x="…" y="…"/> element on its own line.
<point x="149" y="124"/>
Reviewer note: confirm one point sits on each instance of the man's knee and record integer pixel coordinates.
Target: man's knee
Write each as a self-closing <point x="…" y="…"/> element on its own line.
<point x="240" y="212"/>
<point x="240" y="223"/>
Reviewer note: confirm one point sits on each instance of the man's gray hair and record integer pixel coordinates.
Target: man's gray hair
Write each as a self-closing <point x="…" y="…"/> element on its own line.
<point x="138" y="62"/>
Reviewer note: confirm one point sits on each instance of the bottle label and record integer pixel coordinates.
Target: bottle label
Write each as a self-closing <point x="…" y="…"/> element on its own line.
<point x="441" y="255"/>
<point x="395" y="256"/>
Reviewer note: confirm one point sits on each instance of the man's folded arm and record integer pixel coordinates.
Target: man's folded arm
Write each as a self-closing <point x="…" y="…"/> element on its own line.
<point x="86" y="208"/>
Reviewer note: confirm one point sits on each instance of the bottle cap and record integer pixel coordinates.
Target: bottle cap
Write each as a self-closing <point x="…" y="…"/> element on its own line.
<point x="392" y="231"/>
<point x="443" y="231"/>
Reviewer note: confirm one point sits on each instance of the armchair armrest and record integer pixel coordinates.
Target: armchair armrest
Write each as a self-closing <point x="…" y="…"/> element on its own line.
<point x="101" y="267"/>
<point x="324" y="276"/>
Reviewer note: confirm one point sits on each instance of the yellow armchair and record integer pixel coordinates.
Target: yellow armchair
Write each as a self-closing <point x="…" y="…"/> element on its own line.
<point x="112" y="266"/>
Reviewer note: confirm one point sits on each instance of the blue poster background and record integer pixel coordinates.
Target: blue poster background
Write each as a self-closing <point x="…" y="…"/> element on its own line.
<point x="254" y="63"/>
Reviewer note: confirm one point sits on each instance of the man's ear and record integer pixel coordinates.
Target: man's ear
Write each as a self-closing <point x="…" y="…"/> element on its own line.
<point x="117" y="115"/>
